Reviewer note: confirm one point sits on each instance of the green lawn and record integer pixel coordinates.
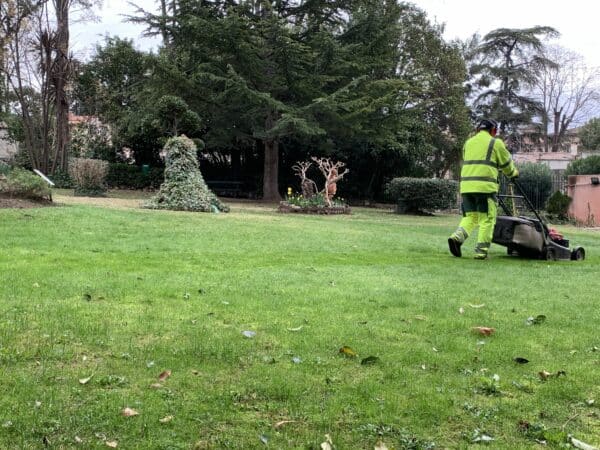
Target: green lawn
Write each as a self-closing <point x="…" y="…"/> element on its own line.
<point x="121" y="295"/>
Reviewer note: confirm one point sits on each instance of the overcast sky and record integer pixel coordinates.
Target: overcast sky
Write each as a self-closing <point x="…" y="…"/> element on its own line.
<point x="576" y="20"/>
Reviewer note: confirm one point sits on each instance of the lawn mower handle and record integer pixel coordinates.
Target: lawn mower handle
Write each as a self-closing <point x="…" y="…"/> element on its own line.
<point x="522" y="193"/>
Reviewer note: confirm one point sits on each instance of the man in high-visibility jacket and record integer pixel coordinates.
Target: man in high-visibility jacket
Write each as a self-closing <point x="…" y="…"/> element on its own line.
<point x="483" y="156"/>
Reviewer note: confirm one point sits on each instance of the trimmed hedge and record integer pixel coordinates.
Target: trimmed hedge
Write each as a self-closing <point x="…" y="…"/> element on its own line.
<point x="584" y="166"/>
<point x="127" y="176"/>
<point x="422" y="194"/>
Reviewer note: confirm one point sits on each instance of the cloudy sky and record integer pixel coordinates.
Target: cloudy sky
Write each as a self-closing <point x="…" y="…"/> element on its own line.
<point x="576" y="20"/>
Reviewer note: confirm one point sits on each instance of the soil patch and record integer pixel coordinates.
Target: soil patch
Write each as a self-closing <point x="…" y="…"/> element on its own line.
<point x="21" y="203"/>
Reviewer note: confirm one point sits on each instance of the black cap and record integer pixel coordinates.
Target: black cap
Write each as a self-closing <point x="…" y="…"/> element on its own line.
<point x="487" y="124"/>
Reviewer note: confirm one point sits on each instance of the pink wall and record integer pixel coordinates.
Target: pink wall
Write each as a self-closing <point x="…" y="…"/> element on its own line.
<point x="585" y="206"/>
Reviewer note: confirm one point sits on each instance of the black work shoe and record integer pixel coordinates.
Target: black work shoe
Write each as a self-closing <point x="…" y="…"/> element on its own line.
<point x="454" y="247"/>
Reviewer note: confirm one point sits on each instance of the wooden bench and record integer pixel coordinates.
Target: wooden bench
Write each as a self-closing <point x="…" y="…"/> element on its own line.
<point x="224" y="188"/>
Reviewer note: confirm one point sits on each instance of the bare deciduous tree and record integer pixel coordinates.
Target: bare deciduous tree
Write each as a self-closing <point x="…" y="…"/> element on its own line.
<point x="569" y="93"/>
<point x="309" y="187"/>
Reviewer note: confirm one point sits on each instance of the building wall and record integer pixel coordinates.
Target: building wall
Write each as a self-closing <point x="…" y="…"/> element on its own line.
<point x="585" y="204"/>
<point x="7" y="148"/>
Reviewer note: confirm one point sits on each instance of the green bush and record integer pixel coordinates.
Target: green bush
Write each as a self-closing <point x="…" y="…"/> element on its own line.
<point x="127" y="176"/>
<point x="62" y="180"/>
<point x="21" y="183"/>
<point x="536" y="181"/>
<point x="558" y="205"/>
<point x="584" y="166"/>
<point x="422" y="194"/>
<point x="4" y="168"/>
<point x="88" y="176"/>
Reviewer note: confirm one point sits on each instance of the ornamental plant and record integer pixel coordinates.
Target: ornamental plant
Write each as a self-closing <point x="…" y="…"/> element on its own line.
<point x="184" y="188"/>
<point x="88" y="176"/>
<point x="419" y="195"/>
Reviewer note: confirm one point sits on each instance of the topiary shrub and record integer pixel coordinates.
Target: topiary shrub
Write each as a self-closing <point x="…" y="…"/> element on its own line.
<point x="88" y="176"/>
<point x="419" y="195"/>
<point x="557" y="206"/>
<point x="184" y="188"/>
<point x="536" y="181"/>
<point x="584" y="166"/>
<point x="21" y="183"/>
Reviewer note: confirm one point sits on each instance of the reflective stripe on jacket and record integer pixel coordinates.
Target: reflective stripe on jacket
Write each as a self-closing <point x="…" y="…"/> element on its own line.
<point x="483" y="155"/>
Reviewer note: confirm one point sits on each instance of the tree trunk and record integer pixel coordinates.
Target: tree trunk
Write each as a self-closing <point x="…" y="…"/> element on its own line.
<point x="555" y="136"/>
<point x="60" y="83"/>
<point x="271" y="172"/>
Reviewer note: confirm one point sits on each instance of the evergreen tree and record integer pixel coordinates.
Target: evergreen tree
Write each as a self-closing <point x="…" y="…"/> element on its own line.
<point x="505" y="64"/>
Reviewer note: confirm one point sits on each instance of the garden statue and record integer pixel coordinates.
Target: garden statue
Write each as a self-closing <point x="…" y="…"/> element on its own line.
<point x="331" y="172"/>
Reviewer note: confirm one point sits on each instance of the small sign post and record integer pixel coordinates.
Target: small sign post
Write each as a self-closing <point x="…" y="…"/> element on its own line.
<point x="44" y="177"/>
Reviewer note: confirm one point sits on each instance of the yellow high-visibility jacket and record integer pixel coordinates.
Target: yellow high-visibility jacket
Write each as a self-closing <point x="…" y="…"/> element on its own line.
<point x="483" y="155"/>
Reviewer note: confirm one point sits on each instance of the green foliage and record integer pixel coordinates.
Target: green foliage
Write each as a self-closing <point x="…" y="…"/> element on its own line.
<point x="174" y="117"/>
<point x="422" y="194"/>
<point x="62" y="180"/>
<point x="590" y="134"/>
<point x="317" y="200"/>
<point x="584" y="166"/>
<point x="536" y="181"/>
<point x="4" y="168"/>
<point x="184" y="188"/>
<point x="21" y="183"/>
<point x="502" y="66"/>
<point x="128" y="176"/>
<point x="88" y="176"/>
<point x="558" y="205"/>
<point x="91" y="139"/>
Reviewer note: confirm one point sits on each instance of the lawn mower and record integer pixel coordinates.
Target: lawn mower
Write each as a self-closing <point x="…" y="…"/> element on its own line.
<point x="530" y="237"/>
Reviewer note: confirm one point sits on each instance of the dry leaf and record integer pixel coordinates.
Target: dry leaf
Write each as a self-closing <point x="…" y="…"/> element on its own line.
<point x="164" y="375"/>
<point x="380" y="446"/>
<point x="420" y="317"/>
<point x="544" y="374"/>
<point x="582" y="445"/>
<point x="112" y="444"/>
<point x="295" y="329"/>
<point x="327" y="445"/>
<point x="461" y="310"/>
<point x="85" y="380"/>
<point x="166" y="419"/>
<point x="476" y="306"/>
<point x="129" y="412"/>
<point x="78" y="440"/>
<point x="347" y="351"/>
<point x="485" y="331"/>
<point x="156" y="385"/>
<point x="282" y="423"/>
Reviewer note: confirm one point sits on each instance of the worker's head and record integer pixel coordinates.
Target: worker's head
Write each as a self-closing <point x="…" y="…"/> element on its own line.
<point x="491" y="126"/>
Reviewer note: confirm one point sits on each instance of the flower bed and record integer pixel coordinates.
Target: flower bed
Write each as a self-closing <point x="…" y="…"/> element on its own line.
<point x="286" y="207"/>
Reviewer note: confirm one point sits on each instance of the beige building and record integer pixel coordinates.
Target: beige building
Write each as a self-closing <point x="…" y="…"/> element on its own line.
<point x="7" y="148"/>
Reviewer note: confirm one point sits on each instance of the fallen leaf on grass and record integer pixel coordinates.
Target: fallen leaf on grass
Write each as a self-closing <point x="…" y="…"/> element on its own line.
<point x="129" y="412"/>
<point x="420" y="317"/>
<point x="380" y="446"/>
<point x="544" y="374"/>
<point x="249" y="334"/>
<point x="328" y="444"/>
<point x="347" y="351"/>
<point x="282" y="423"/>
<point x="264" y="439"/>
<point x="164" y="375"/>
<point x="85" y="380"/>
<point x="461" y="310"/>
<point x="156" y="385"/>
<point x="369" y="360"/>
<point x="485" y="331"/>
<point x="540" y="318"/>
<point x="520" y="360"/>
<point x="581" y="445"/>
<point x="166" y="419"/>
<point x="476" y="306"/>
<point x="112" y="444"/>
<point x="78" y="440"/>
<point x="295" y="329"/>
